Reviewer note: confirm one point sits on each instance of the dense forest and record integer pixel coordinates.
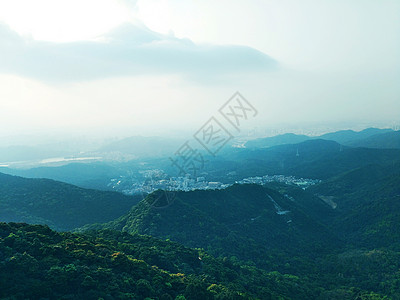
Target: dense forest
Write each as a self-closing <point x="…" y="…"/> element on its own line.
<point x="38" y="263"/>
<point x="337" y="239"/>
<point x="59" y="205"/>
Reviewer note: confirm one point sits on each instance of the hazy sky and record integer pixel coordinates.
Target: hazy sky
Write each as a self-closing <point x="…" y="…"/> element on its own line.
<point x="158" y="66"/>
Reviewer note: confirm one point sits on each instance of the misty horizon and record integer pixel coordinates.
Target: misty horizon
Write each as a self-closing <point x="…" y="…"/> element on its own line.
<point x="162" y="68"/>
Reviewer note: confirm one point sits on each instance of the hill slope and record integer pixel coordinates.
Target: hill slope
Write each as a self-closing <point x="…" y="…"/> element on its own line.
<point x="319" y="159"/>
<point x="243" y="224"/>
<point x="389" y="140"/>
<point x="244" y="220"/>
<point x="368" y="204"/>
<point x="283" y="139"/>
<point x="346" y="137"/>
<point x="93" y="175"/>
<point x="38" y="263"/>
<point x="62" y="206"/>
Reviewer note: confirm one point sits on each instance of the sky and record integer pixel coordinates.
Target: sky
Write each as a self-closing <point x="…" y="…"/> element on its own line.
<point x="165" y="67"/>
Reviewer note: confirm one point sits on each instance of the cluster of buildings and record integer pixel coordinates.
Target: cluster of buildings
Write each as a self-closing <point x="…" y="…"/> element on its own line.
<point x="171" y="184"/>
<point x="153" y="180"/>
<point x="291" y="180"/>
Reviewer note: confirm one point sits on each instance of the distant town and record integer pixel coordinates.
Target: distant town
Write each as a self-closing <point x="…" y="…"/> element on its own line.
<point x="153" y="180"/>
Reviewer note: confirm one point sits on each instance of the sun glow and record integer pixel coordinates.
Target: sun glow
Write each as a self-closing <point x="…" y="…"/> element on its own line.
<point x="62" y="21"/>
<point x="155" y="14"/>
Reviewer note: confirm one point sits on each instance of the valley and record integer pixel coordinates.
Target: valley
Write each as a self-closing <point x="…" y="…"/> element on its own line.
<point x="303" y="234"/>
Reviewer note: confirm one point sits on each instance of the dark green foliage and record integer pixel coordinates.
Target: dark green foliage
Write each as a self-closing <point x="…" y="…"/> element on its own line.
<point x="335" y="240"/>
<point x="36" y="262"/>
<point x="61" y="206"/>
<point x="368" y="205"/>
<point x="240" y="221"/>
<point x="240" y="225"/>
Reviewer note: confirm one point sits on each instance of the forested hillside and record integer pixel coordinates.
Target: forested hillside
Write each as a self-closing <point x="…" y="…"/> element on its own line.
<point x="59" y="205"/>
<point x="37" y="263"/>
<point x="227" y="222"/>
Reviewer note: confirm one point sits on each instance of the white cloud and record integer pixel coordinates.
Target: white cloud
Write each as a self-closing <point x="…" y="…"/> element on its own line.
<point x="126" y="51"/>
<point x="309" y="34"/>
<point x="345" y="54"/>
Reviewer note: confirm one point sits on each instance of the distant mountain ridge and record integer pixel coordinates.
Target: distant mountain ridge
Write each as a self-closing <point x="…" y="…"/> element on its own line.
<point x="388" y="140"/>
<point x="283" y="139"/>
<point x="348" y="136"/>
<point x="344" y="137"/>
<point x="315" y="158"/>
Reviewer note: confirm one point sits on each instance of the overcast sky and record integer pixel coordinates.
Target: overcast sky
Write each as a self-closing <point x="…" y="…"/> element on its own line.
<point x="155" y="67"/>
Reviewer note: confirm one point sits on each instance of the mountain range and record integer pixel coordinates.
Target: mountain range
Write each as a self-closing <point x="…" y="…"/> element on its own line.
<point x="337" y="239"/>
<point x="287" y="154"/>
<point x="368" y="138"/>
<point x="316" y="158"/>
